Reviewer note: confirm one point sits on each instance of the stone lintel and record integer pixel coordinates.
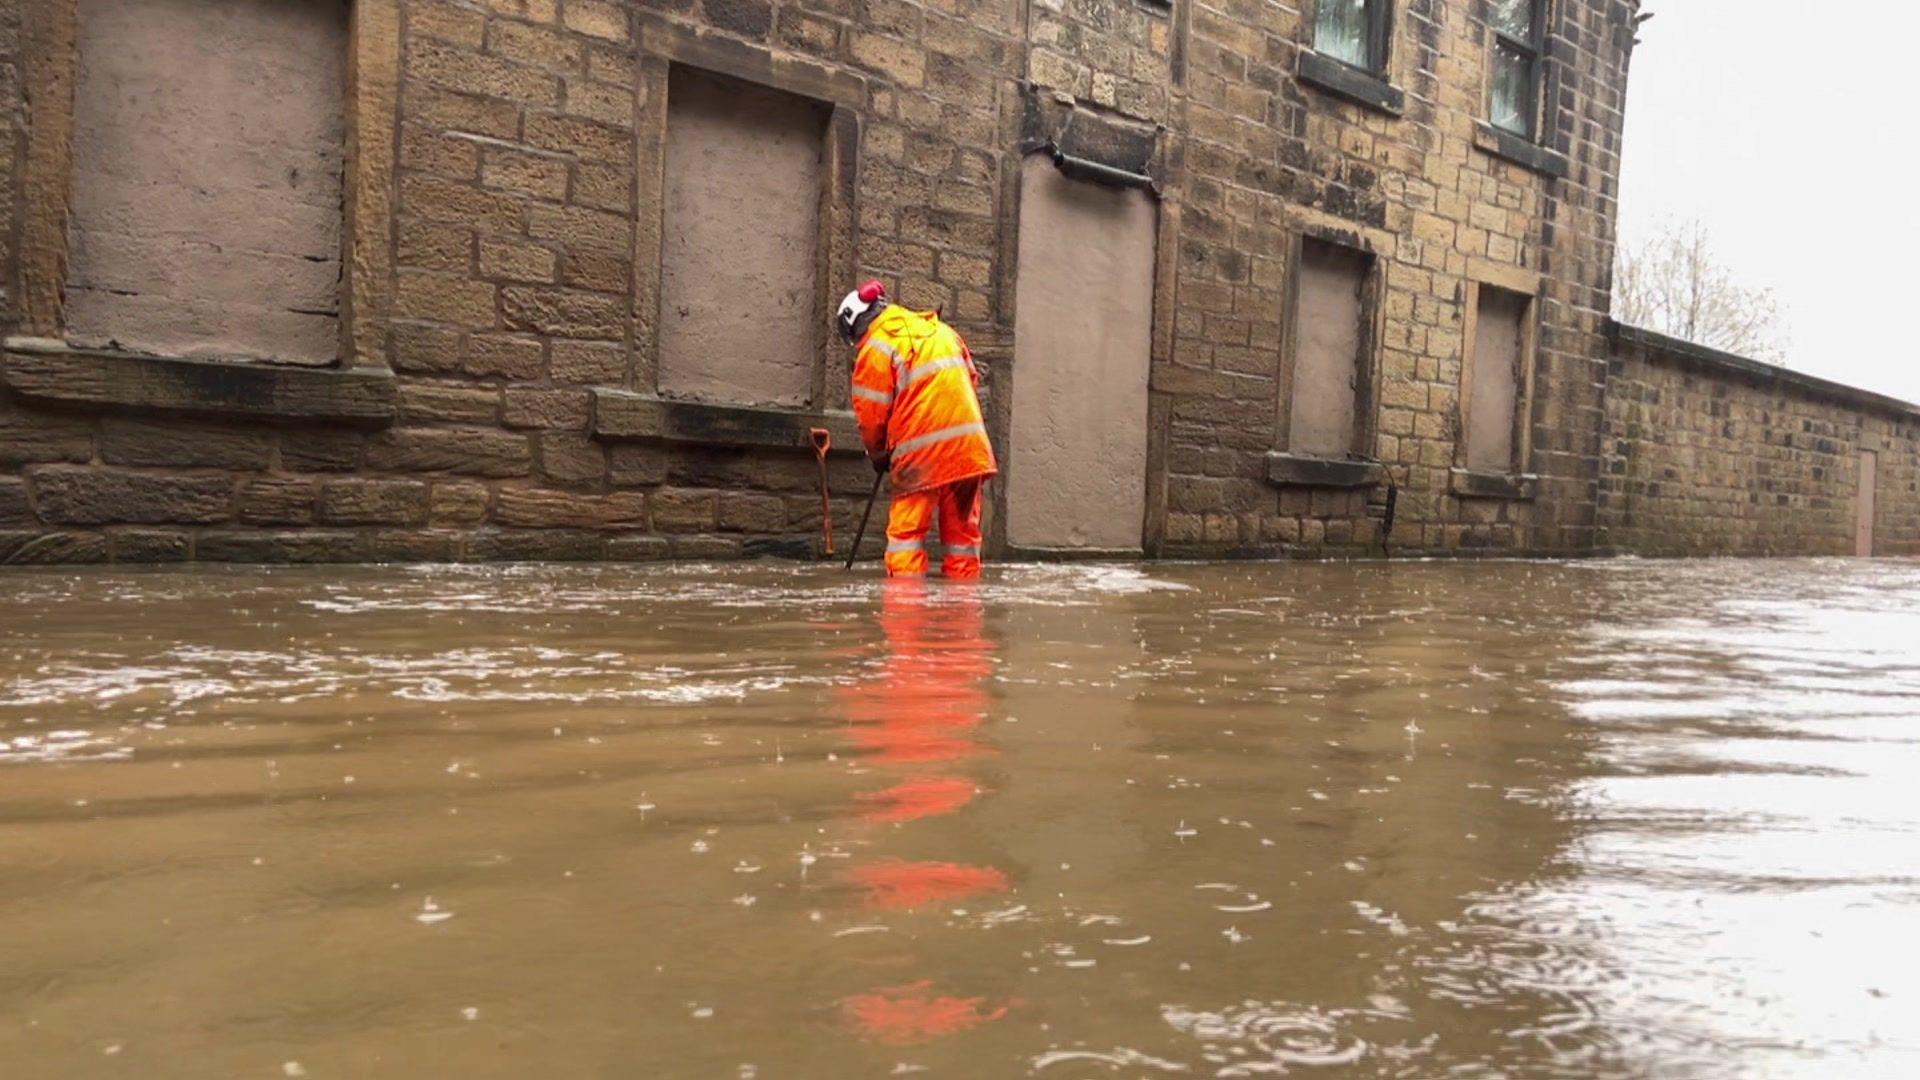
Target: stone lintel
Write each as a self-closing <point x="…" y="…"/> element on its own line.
<point x="1468" y="484"/>
<point x="46" y="370"/>
<point x="1300" y="470"/>
<point x="625" y="415"/>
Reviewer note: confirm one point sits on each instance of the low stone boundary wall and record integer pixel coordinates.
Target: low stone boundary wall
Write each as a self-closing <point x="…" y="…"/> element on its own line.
<point x="1706" y="453"/>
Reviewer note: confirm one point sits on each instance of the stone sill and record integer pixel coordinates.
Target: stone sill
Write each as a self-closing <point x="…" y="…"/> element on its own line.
<point x="625" y="415"/>
<point x="1299" y="470"/>
<point x="1020" y="553"/>
<point x="1347" y="81"/>
<point x="39" y="369"/>
<point x="1468" y="484"/>
<point x="1510" y="147"/>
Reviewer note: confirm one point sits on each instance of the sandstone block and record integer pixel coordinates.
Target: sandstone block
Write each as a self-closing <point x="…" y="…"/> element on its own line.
<point x="322" y="450"/>
<point x="598" y="19"/>
<point x="83" y="496"/>
<point x="560" y="409"/>
<point x="564" y="313"/>
<point x="412" y="546"/>
<point x="588" y="363"/>
<point x="30" y="440"/>
<point x="14" y="508"/>
<point x="136" y="442"/>
<point x="903" y="62"/>
<point x="706" y="547"/>
<point x="589" y="139"/>
<point x="373" y="502"/>
<point x="304" y="546"/>
<point x="417" y="348"/>
<point x="607" y="104"/>
<point x="150" y="546"/>
<point x="536" y="545"/>
<point x="637" y="548"/>
<point x="477" y="73"/>
<point x="539" y="508"/>
<point x="571" y="458"/>
<point x="425" y="245"/>
<point x="463" y="112"/>
<point x="682" y="510"/>
<point x="277" y="502"/>
<point x="463" y="451"/>
<point x="459" y="404"/>
<point x="444" y="299"/>
<point x="504" y="356"/>
<point x="742" y="512"/>
<point x="604" y="187"/>
<point x="442" y="20"/>
<point x="511" y="260"/>
<point x="536" y="45"/>
<point x="44" y="548"/>
<point x="458" y="504"/>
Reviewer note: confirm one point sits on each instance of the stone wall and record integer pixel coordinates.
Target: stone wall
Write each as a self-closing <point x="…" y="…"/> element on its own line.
<point x="1708" y="454"/>
<point x="499" y="391"/>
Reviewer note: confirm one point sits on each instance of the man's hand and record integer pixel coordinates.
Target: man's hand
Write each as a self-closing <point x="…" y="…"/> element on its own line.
<point x="881" y="462"/>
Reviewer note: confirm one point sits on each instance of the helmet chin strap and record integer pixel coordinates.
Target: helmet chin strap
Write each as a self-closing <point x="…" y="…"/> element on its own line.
<point x="865" y="319"/>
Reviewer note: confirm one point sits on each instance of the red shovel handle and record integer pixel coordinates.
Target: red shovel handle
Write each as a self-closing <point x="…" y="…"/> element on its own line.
<point x="822" y="440"/>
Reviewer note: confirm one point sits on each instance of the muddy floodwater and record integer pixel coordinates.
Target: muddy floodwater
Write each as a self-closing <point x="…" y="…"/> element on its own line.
<point x="1611" y="818"/>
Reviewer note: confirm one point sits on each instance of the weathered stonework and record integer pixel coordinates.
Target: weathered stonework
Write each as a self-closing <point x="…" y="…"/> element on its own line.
<point x="1711" y="455"/>
<point x="497" y="393"/>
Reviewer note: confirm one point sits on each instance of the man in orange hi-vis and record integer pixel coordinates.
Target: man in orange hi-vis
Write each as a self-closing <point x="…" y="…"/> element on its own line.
<point x="913" y="392"/>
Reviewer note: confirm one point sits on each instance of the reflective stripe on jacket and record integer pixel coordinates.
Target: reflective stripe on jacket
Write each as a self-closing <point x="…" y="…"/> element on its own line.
<point x="913" y="392"/>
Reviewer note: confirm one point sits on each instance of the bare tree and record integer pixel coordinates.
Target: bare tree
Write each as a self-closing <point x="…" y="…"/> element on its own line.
<point x="1672" y="285"/>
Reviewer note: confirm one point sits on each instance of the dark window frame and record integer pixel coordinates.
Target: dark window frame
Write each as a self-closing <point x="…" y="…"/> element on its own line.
<point x="1379" y="37"/>
<point x="1534" y="48"/>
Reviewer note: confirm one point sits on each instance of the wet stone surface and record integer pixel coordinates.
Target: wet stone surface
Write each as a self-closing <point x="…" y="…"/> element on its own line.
<point x="1416" y="820"/>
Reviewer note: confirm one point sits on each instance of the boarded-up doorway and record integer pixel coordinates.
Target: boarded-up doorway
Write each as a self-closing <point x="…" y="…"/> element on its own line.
<point x="1863" y="503"/>
<point x="1083" y="328"/>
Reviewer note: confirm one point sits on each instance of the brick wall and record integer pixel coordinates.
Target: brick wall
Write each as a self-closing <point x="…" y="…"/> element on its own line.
<point x="1711" y="455"/>
<point x="499" y="392"/>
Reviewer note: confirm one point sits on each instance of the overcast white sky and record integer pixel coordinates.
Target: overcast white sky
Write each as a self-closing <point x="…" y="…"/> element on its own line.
<point x="1789" y="128"/>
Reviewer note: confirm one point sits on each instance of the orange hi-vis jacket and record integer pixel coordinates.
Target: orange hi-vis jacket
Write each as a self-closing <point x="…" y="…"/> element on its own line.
<point x="913" y="393"/>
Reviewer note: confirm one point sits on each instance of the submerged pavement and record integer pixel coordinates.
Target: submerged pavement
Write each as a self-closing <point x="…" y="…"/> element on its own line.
<point x="1608" y="818"/>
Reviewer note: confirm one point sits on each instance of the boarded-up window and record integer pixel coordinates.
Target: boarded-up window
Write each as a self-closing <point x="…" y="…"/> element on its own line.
<point x="1083" y="330"/>
<point x="1496" y="378"/>
<point x="1329" y="348"/>
<point x="740" y="304"/>
<point x="207" y="148"/>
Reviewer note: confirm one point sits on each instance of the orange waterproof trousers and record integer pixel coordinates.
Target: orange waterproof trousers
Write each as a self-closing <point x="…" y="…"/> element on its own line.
<point x="912" y="514"/>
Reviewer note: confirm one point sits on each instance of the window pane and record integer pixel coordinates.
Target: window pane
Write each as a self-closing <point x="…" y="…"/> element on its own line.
<point x="1340" y="31"/>
<point x="1512" y="17"/>
<point x="1512" y="89"/>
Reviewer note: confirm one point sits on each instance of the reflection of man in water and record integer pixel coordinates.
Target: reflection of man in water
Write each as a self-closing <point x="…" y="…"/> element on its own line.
<point x="926" y="705"/>
<point x="921" y="714"/>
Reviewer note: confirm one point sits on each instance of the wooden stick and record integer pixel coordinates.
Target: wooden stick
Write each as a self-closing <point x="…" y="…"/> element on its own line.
<point x="854" y="551"/>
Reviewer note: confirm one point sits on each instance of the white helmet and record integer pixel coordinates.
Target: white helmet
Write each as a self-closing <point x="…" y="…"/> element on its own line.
<point x="858" y="303"/>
